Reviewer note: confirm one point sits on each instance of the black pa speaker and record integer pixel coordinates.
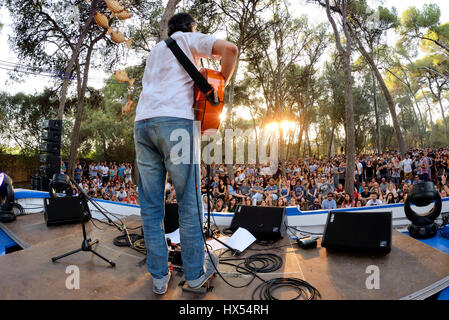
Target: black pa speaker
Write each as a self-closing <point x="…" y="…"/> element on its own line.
<point x="51" y="147"/>
<point x="52" y="125"/>
<point x="51" y="136"/>
<point x="364" y="232"/>
<point x="264" y="223"/>
<point x="171" y="218"/>
<point x="65" y="210"/>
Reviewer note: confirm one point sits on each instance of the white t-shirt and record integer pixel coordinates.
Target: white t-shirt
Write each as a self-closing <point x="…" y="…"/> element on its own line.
<point x="407" y="163"/>
<point x="167" y="88"/>
<point x="359" y="168"/>
<point x="377" y="202"/>
<point x="104" y="171"/>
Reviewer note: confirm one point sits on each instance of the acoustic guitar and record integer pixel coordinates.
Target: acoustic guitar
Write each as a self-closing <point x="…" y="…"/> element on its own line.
<point x="208" y="107"/>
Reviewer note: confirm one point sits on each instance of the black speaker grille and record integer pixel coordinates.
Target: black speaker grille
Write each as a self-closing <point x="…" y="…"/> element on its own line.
<point x="265" y="223"/>
<point x="358" y="231"/>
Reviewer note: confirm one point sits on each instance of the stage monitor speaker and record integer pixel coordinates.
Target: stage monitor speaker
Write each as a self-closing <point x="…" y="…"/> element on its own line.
<point x="65" y="210"/>
<point x="364" y="232"/>
<point x="264" y="223"/>
<point x="171" y="218"/>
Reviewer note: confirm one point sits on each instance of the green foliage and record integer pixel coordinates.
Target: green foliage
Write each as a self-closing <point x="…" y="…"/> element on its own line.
<point x="424" y="26"/>
<point x="105" y="132"/>
<point x="22" y="116"/>
<point x="413" y="19"/>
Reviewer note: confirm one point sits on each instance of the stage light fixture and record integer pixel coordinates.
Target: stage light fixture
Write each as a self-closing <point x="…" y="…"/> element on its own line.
<point x="6" y="198"/>
<point x="421" y="195"/>
<point x="60" y="184"/>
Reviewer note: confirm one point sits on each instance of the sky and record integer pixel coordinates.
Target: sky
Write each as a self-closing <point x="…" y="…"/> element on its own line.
<point x="35" y="83"/>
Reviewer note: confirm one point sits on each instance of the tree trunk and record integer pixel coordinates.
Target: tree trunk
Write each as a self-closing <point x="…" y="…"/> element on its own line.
<point x="79" y="114"/>
<point x="329" y="150"/>
<point x="388" y="97"/>
<point x="444" y="118"/>
<point x="349" y="112"/>
<point x="309" y="146"/>
<point x="229" y="106"/>
<point x="376" y="110"/>
<point x="301" y="133"/>
<point x="423" y="125"/>
<point x="71" y="63"/>
<point x="168" y="13"/>
<point x="429" y="109"/>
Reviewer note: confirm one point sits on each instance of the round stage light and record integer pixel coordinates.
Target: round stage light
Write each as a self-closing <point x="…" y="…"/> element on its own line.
<point x="423" y="195"/>
<point x="59" y="185"/>
<point x="6" y="198"/>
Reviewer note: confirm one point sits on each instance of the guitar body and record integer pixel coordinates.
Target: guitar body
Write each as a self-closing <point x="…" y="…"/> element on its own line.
<point x="206" y="112"/>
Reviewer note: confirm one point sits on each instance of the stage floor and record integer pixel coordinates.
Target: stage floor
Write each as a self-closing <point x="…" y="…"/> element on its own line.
<point x="411" y="267"/>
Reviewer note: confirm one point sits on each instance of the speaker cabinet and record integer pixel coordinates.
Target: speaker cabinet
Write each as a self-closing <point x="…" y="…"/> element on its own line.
<point x="52" y="125"/>
<point x="51" y="136"/>
<point x="264" y="223"/>
<point x="65" y="210"/>
<point x="365" y="232"/>
<point x="51" y="147"/>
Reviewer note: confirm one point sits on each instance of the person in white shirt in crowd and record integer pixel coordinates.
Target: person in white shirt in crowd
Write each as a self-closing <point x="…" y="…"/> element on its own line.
<point x="105" y="172"/>
<point x="407" y="166"/>
<point x="121" y="194"/>
<point x="373" y="201"/>
<point x="128" y="174"/>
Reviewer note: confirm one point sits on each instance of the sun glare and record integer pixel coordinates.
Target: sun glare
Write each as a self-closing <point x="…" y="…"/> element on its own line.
<point x="223" y="116"/>
<point x="283" y="125"/>
<point x="273" y="126"/>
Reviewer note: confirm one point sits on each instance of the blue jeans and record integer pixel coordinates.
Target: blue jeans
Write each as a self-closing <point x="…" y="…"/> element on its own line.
<point x="155" y="157"/>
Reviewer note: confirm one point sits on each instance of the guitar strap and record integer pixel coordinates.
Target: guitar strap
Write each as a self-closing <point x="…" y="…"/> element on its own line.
<point x="193" y="72"/>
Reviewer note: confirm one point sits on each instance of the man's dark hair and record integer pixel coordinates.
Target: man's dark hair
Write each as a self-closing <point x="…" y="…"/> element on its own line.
<point x="180" y="22"/>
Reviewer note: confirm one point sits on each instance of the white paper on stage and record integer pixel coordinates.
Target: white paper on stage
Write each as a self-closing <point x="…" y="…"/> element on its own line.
<point x="214" y="245"/>
<point x="240" y="240"/>
<point x="174" y="236"/>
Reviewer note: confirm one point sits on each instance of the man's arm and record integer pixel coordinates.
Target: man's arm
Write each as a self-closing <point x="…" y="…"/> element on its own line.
<point x="228" y="53"/>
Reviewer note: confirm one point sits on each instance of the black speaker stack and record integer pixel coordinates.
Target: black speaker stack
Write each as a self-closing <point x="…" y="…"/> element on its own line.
<point x="50" y="154"/>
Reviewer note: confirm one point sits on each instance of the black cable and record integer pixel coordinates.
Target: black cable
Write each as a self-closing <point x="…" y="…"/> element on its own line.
<point x="304" y="289"/>
<point x="91" y="220"/>
<point x="20" y="208"/>
<point x="122" y="240"/>
<point x="204" y="237"/>
<point x="306" y="232"/>
<point x="270" y="248"/>
<point x="251" y="269"/>
<point x="136" y="243"/>
<point x="227" y="231"/>
<point x="270" y="263"/>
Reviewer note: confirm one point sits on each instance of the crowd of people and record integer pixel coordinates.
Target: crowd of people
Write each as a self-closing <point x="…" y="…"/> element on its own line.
<point x="309" y="183"/>
<point x="314" y="184"/>
<point x="106" y="180"/>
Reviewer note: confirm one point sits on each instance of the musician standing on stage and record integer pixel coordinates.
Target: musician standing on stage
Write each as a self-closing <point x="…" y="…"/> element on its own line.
<point x="165" y="105"/>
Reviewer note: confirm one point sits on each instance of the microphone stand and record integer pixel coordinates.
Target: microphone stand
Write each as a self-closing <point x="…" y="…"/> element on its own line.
<point x="86" y="196"/>
<point x="209" y="233"/>
<point x="87" y="244"/>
